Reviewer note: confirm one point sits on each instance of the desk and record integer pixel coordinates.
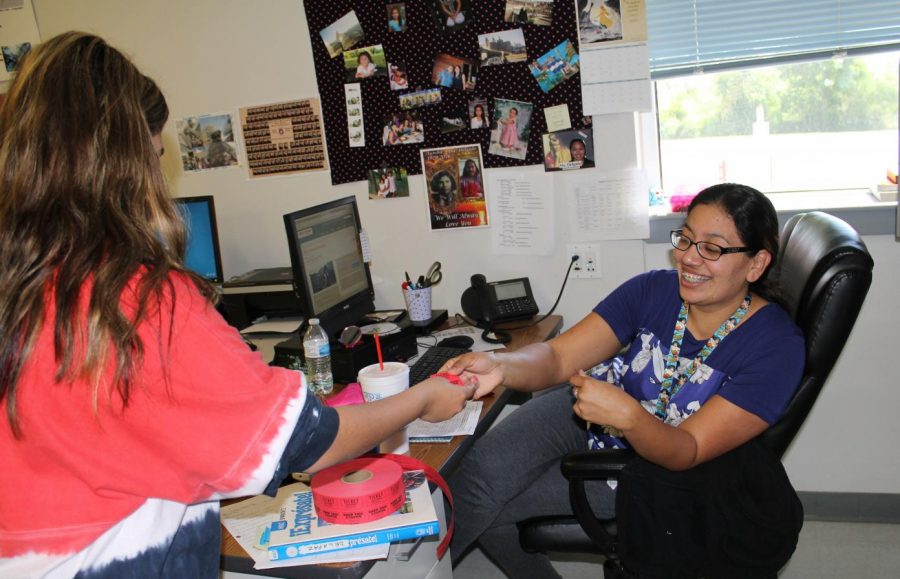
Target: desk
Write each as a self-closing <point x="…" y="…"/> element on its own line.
<point x="445" y="457"/>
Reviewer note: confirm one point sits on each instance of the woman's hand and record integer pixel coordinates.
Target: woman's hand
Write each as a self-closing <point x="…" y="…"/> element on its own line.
<point x="443" y="399"/>
<point x="603" y="403"/>
<point x="483" y="370"/>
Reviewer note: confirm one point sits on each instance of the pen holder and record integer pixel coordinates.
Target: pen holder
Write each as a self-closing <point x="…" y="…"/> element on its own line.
<point x="418" y="303"/>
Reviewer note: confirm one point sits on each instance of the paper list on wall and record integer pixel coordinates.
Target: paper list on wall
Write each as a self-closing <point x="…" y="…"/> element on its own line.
<point x="522" y="210"/>
<point x="605" y="206"/>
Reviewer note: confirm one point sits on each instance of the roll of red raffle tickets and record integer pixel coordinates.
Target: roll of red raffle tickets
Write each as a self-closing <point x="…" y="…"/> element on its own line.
<point x="370" y="488"/>
<point x="358" y="491"/>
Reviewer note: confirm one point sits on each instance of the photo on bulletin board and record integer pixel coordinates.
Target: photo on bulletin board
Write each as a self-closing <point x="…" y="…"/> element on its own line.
<point x="556" y="66"/>
<point x="455" y="183"/>
<point x="522" y="12"/>
<point x="388" y="183"/>
<point x="478" y="115"/>
<point x="343" y="34"/>
<point x="414" y="100"/>
<point x="403" y="128"/>
<point x="455" y="120"/>
<point x="396" y="14"/>
<point x="397" y="76"/>
<point x="366" y="62"/>
<point x="206" y="142"/>
<point x="502" y="47"/>
<point x="454" y="72"/>
<point x="451" y="15"/>
<point x="568" y="150"/>
<point x="512" y="127"/>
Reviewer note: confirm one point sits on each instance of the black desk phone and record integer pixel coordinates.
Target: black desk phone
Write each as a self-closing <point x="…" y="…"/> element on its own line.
<point x="498" y="301"/>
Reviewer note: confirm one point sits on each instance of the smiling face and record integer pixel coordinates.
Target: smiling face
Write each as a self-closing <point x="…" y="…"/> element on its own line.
<point x="577" y="150"/>
<point x="364" y="59"/>
<point x="716" y="287"/>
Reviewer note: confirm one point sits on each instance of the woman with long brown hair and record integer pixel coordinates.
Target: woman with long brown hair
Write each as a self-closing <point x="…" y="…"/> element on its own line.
<point x="129" y="405"/>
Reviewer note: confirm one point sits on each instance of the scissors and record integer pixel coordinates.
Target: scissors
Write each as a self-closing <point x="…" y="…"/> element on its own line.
<point x="433" y="276"/>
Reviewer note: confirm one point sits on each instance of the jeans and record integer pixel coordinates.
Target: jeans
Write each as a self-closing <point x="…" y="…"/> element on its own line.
<point x="511" y="474"/>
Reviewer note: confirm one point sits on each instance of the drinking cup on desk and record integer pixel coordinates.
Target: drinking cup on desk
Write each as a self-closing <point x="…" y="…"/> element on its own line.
<point x="377" y="384"/>
<point x="418" y="303"/>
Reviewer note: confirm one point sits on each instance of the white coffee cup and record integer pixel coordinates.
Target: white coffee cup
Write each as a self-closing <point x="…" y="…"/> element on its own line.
<point x="377" y="384"/>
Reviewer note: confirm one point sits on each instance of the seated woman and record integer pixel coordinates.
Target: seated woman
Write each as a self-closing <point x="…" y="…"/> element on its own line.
<point x="711" y="362"/>
<point x="130" y="407"/>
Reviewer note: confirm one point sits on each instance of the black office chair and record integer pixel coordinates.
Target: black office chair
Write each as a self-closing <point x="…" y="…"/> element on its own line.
<point x="825" y="273"/>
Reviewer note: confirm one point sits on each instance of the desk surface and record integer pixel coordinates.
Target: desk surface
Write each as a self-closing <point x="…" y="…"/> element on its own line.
<point x="442" y="456"/>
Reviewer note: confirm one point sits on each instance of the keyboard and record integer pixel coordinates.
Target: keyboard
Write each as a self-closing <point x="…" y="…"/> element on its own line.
<point x="431" y="361"/>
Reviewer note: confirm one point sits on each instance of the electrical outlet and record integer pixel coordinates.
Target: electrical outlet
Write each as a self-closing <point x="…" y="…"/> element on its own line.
<point x="588" y="263"/>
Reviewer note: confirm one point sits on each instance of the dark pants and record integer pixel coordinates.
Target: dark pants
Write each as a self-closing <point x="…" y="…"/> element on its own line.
<point x="512" y="474"/>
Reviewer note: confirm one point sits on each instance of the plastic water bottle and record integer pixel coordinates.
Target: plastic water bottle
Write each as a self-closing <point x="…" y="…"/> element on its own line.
<point x="318" y="359"/>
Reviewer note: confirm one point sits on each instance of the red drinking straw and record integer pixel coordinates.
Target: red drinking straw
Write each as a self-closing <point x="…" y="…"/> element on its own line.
<point x="378" y="349"/>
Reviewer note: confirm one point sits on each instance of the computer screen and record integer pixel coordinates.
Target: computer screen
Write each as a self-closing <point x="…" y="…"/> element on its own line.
<point x="331" y="278"/>
<point x="202" y="257"/>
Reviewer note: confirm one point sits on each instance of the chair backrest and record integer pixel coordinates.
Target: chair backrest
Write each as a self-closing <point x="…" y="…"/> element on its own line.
<point x="824" y="273"/>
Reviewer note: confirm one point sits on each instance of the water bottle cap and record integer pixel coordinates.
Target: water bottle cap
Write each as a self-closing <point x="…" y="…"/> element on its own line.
<point x="314" y="321"/>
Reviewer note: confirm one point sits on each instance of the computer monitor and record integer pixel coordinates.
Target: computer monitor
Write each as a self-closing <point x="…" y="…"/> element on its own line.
<point x="331" y="278"/>
<point x="202" y="256"/>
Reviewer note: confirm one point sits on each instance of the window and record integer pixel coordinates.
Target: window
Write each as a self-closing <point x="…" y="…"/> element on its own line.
<point x="780" y="95"/>
<point x="827" y="124"/>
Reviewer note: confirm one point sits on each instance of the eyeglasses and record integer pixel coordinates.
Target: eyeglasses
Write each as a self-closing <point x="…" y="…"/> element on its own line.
<point x="705" y="249"/>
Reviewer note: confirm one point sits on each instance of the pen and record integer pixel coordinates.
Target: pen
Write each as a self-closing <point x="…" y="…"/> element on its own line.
<point x="421" y="281"/>
<point x="406" y="273"/>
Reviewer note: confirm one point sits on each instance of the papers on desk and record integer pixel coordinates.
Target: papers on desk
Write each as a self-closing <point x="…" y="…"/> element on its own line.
<point x="274" y="326"/>
<point x="246" y="519"/>
<point x="463" y="423"/>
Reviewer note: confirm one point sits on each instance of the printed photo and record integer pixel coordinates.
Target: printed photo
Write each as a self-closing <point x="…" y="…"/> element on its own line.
<point x="451" y="15"/>
<point x="599" y="21"/>
<point x="478" y="115"/>
<point x="397" y="76"/>
<point x="206" y="142"/>
<point x="452" y="121"/>
<point x="556" y="66"/>
<point x="343" y="34"/>
<point x="13" y="54"/>
<point x="366" y="62"/>
<point x="396" y="15"/>
<point x="511" y="128"/>
<point x="568" y="150"/>
<point x="456" y="195"/>
<point x="388" y="182"/>
<point x="502" y="47"/>
<point x="421" y="98"/>
<point x="524" y="12"/>
<point x="403" y="128"/>
<point x="454" y="72"/>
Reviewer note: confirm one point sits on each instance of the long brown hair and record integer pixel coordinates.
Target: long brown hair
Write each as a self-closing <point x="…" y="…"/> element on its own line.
<point x="83" y="204"/>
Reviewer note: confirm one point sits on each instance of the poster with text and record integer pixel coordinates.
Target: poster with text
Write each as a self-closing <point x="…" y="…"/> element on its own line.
<point x="455" y="187"/>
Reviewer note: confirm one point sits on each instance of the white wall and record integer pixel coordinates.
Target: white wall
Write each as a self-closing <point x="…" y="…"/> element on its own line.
<point x="212" y="56"/>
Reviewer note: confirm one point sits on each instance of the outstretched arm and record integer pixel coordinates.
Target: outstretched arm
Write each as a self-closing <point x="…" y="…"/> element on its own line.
<point x="363" y="426"/>
<point x="539" y="366"/>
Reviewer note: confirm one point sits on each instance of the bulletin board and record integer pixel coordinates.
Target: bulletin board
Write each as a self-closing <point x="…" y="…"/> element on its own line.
<point x="418" y="47"/>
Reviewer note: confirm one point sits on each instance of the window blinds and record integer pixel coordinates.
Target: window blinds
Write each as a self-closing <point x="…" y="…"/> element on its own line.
<point x="687" y="36"/>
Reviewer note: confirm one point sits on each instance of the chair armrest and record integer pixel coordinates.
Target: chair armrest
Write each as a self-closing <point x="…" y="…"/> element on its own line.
<point x="597" y="465"/>
<point x="600" y="464"/>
